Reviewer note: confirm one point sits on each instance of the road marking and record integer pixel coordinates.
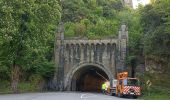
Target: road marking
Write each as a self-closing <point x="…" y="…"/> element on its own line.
<point x="82" y="96"/>
<point x="85" y="96"/>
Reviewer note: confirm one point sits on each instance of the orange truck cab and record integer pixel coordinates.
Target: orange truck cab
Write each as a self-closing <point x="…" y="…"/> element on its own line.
<point x="127" y="86"/>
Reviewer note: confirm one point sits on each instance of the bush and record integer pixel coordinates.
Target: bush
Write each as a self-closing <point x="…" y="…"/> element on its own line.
<point x="4" y="86"/>
<point x="37" y="82"/>
<point x="26" y="87"/>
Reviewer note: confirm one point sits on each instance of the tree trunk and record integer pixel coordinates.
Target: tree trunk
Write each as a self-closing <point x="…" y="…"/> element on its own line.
<point x="14" y="78"/>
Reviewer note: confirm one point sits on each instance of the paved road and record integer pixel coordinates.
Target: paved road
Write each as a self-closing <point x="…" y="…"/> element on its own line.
<point x="59" y="96"/>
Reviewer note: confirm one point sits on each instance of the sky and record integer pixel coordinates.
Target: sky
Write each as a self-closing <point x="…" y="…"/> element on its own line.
<point x="137" y="2"/>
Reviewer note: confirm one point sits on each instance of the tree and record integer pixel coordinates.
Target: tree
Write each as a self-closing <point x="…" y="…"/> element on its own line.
<point x="155" y="21"/>
<point x="24" y="28"/>
<point x="91" y="18"/>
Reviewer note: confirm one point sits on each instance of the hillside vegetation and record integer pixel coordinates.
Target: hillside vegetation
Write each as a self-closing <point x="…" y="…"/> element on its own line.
<point x="28" y="28"/>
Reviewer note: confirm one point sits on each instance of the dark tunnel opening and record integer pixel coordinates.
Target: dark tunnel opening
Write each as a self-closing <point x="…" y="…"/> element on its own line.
<point x="89" y="79"/>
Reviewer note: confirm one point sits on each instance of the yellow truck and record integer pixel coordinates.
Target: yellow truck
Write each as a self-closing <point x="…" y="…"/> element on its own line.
<point x="127" y="86"/>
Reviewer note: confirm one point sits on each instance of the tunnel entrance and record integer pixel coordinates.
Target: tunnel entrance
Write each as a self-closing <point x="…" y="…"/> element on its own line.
<point x="88" y="79"/>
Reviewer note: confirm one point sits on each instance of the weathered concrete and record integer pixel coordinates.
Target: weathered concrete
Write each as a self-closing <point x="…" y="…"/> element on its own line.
<point x="74" y="54"/>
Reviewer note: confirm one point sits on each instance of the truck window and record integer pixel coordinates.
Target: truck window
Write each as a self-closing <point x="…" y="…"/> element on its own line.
<point x="125" y="81"/>
<point x="133" y="82"/>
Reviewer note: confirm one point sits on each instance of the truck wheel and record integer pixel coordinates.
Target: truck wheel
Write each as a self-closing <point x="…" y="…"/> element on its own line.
<point x="113" y="94"/>
<point x="135" y="97"/>
<point x="119" y="95"/>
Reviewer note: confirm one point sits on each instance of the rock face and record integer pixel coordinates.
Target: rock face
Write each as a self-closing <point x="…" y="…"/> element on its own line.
<point x="153" y="66"/>
<point x="75" y="55"/>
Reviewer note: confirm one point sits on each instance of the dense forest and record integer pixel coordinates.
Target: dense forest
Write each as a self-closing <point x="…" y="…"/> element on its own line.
<point x="155" y="23"/>
<point x="28" y="29"/>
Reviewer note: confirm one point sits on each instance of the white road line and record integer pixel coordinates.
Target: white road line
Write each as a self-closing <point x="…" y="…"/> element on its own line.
<point x="85" y="96"/>
<point x="82" y="96"/>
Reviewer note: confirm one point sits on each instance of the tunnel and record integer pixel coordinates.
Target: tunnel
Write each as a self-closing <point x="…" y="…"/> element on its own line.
<point x="88" y="79"/>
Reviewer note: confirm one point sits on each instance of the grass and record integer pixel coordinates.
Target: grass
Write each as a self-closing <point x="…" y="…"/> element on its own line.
<point x="26" y="87"/>
<point x="5" y="87"/>
<point x="157" y="97"/>
<point x="157" y="93"/>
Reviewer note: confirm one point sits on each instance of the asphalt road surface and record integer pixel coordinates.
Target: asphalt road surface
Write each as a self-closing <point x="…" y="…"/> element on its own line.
<point x="59" y="96"/>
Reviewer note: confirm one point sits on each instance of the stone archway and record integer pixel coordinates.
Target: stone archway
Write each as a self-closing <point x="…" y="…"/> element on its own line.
<point x="106" y="54"/>
<point x="87" y="77"/>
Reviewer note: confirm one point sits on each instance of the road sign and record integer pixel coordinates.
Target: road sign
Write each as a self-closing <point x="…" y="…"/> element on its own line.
<point x="149" y="83"/>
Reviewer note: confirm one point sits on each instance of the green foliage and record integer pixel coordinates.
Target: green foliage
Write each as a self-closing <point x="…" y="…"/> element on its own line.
<point x="35" y="79"/>
<point x="27" y="30"/>
<point x="4" y="73"/>
<point x="135" y="47"/>
<point x="24" y="29"/>
<point x="4" y="86"/>
<point x="91" y="18"/>
<point x="156" y="97"/>
<point x="26" y="87"/>
<point x="156" y="40"/>
<point x="46" y="70"/>
<point x="155" y="20"/>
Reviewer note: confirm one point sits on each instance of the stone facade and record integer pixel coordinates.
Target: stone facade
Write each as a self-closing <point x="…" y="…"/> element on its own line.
<point x="73" y="54"/>
<point x="122" y="47"/>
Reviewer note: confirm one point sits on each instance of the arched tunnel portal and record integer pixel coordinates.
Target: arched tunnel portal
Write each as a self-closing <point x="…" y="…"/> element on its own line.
<point x="89" y="78"/>
<point x="78" y="59"/>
